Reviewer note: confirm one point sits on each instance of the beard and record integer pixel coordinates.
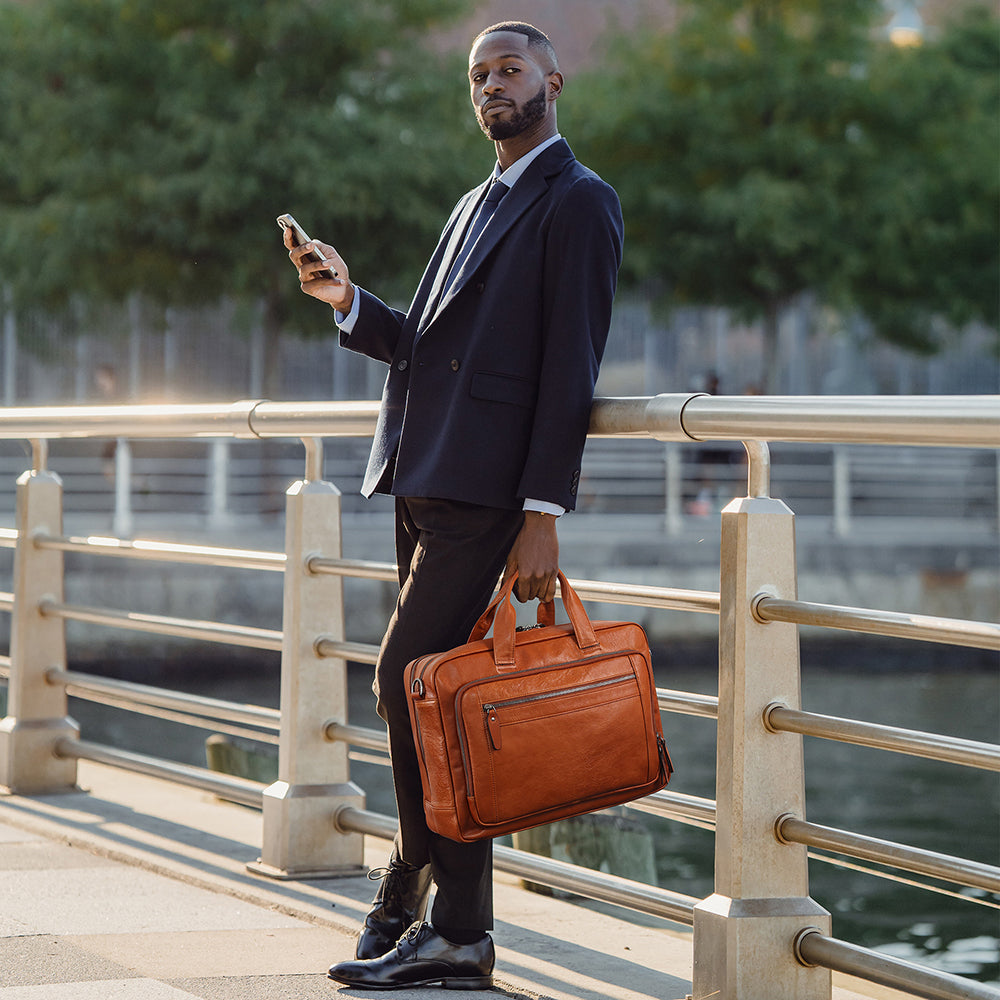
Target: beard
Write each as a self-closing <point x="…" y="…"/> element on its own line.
<point x="521" y="118"/>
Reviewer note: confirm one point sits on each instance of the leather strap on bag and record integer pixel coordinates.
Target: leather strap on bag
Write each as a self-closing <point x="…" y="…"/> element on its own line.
<point x="502" y="611"/>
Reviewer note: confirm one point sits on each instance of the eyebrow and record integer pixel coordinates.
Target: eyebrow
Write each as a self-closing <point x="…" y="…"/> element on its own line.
<point x="509" y="55"/>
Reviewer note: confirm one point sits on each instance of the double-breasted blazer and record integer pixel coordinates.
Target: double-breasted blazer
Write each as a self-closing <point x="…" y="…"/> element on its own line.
<point x="490" y="384"/>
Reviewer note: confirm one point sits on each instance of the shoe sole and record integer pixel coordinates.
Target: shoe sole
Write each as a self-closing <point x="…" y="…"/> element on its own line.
<point x="450" y="983"/>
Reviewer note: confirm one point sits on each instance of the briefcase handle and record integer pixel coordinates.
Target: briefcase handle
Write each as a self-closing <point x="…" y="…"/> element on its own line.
<point x="504" y="627"/>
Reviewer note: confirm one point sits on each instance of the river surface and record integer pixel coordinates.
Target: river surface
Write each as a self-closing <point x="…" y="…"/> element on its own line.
<point x="937" y="807"/>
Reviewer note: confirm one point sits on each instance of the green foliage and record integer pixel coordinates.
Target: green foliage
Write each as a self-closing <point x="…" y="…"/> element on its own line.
<point x="148" y="146"/>
<point x="929" y="235"/>
<point x="768" y="147"/>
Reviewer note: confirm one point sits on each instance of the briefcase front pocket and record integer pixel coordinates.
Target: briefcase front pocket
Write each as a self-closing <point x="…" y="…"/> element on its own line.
<point x="579" y="733"/>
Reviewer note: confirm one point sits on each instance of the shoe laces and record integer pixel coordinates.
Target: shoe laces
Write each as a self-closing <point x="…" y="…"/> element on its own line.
<point x="412" y="931"/>
<point x="392" y="875"/>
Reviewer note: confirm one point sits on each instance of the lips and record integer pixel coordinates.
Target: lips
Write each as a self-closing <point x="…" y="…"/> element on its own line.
<point x="495" y="106"/>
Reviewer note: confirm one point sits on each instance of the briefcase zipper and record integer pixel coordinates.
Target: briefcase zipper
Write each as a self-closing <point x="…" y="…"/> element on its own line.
<point x="520" y="673"/>
<point x="490" y="710"/>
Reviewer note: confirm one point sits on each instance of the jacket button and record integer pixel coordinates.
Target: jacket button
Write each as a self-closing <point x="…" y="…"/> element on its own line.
<point x="402" y="366"/>
<point x="455" y="364"/>
<point x="480" y="287"/>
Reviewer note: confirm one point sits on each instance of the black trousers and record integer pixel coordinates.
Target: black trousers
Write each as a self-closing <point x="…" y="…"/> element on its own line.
<point x="450" y="556"/>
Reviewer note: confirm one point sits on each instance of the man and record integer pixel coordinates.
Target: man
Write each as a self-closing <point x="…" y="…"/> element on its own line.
<point x="482" y="425"/>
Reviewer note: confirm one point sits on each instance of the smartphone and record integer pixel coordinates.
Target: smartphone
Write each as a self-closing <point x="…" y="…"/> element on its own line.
<point x="299" y="237"/>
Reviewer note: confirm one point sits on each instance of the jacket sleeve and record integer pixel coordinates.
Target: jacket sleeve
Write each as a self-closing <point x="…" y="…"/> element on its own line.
<point x="582" y="255"/>
<point x="376" y="331"/>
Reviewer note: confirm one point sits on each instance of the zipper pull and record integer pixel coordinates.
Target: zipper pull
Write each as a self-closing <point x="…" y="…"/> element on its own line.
<point x="492" y="725"/>
<point x="666" y="764"/>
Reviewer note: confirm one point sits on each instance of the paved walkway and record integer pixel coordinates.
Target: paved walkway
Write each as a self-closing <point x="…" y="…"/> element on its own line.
<point x="136" y="889"/>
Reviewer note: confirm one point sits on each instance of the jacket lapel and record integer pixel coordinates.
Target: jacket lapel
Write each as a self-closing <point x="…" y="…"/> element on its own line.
<point x="453" y="242"/>
<point x="532" y="184"/>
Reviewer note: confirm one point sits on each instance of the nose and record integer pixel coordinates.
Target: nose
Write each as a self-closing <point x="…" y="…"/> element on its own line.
<point x="493" y="85"/>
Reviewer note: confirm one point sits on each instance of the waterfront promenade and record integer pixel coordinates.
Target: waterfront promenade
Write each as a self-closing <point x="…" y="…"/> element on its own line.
<point x="136" y="889"/>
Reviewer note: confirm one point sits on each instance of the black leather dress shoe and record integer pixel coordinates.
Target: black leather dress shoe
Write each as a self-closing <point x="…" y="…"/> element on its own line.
<point x="400" y="901"/>
<point x="423" y="958"/>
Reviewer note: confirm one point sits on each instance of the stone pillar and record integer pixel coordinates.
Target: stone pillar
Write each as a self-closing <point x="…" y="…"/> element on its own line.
<point x="299" y="837"/>
<point x="744" y="933"/>
<point x="37" y="716"/>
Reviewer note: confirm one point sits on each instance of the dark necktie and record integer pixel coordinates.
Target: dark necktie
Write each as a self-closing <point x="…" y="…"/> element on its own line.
<point x="483" y="215"/>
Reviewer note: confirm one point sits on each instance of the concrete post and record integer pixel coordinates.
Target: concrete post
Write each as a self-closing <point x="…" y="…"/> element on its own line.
<point x="218" y="483"/>
<point x="674" y="478"/>
<point x="122" y="521"/>
<point x="37" y="712"/>
<point x="744" y="933"/>
<point x="299" y="836"/>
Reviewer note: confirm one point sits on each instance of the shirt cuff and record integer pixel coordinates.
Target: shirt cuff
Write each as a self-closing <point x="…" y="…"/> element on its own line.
<point x="544" y="507"/>
<point x="347" y="320"/>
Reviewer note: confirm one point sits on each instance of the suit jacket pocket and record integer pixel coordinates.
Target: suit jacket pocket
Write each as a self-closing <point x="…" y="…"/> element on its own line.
<point x="503" y="388"/>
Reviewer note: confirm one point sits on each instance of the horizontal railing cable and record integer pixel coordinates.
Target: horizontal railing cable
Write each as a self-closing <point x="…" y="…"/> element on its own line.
<point x="129" y="692"/>
<point x="548" y="871"/>
<point x="235" y="635"/>
<point x="678" y="806"/>
<point x="965" y="421"/>
<point x="356" y="652"/>
<point x="147" y="549"/>
<point x="956" y="632"/>
<point x="360" y="568"/>
<point x="792" y="830"/>
<point x="241" y="790"/>
<point x="948" y="749"/>
<point x="688" y="703"/>
<point x="637" y="595"/>
<point x="813" y="948"/>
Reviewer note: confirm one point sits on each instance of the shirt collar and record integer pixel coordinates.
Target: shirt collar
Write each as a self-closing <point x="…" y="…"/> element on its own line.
<point x="518" y="167"/>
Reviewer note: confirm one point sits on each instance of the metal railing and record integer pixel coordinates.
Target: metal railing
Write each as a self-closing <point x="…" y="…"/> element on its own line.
<point x="760" y="911"/>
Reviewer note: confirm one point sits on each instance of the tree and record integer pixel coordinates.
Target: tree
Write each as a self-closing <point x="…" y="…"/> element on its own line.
<point x="928" y="233"/>
<point x="147" y="147"/>
<point x="752" y="152"/>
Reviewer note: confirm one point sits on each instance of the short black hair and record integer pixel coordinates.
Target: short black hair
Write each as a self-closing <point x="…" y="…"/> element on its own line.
<point x="537" y="39"/>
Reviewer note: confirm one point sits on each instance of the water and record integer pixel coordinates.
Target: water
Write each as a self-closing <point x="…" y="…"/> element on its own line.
<point x="938" y="807"/>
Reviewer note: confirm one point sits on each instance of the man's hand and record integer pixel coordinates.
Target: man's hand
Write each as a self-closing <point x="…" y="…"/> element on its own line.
<point x="535" y="558"/>
<point x="338" y="292"/>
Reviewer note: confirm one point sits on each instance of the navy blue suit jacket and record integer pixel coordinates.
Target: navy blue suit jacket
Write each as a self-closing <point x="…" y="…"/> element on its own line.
<point x="490" y="386"/>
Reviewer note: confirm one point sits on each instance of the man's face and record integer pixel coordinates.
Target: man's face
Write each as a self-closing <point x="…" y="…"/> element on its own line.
<point x="509" y="85"/>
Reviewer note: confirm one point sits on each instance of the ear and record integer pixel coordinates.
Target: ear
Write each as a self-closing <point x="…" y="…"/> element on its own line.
<point x="555" y="85"/>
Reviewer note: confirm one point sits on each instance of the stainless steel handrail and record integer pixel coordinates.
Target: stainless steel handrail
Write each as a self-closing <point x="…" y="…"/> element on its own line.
<point x="241" y="790"/>
<point x="147" y="549"/>
<point x="359" y="652"/>
<point x="78" y="683"/>
<point x="236" y="635"/>
<point x="792" y="830"/>
<point x="970" y="421"/>
<point x="948" y="749"/>
<point x="687" y="703"/>
<point x="813" y="948"/>
<point x="955" y="632"/>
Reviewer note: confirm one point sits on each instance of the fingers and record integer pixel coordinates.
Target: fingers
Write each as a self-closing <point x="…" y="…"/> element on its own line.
<point x="535" y="556"/>
<point x="540" y="588"/>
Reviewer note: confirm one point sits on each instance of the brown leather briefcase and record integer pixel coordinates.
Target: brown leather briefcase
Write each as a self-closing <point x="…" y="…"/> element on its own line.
<point x="537" y="724"/>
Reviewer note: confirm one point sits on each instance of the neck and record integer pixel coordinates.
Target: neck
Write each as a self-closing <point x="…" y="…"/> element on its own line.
<point x="511" y="150"/>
